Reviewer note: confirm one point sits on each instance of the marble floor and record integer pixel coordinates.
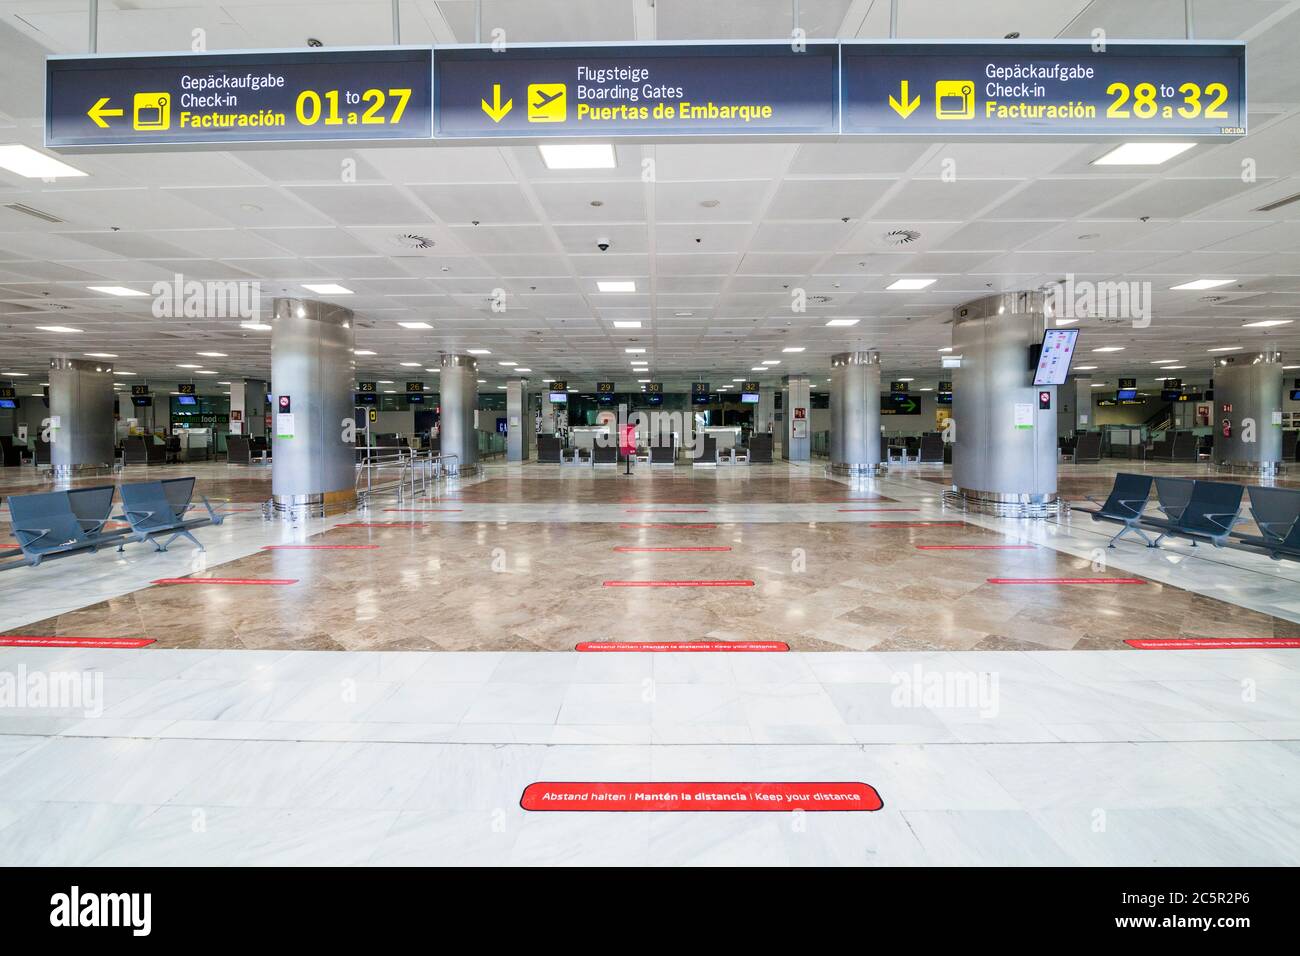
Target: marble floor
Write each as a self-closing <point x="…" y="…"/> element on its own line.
<point x="390" y="704"/>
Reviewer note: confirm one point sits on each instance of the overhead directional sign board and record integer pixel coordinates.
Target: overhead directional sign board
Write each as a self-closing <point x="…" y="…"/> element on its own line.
<point x="264" y="97"/>
<point x="1059" y="89"/>
<point x="649" y="90"/>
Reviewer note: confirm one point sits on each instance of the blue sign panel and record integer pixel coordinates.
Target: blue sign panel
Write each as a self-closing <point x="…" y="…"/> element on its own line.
<point x="1058" y="90"/>
<point x="265" y="97"/>
<point x="649" y="90"/>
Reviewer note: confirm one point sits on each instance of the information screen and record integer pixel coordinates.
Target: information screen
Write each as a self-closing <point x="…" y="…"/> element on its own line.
<point x="1054" y="362"/>
<point x="749" y="398"/>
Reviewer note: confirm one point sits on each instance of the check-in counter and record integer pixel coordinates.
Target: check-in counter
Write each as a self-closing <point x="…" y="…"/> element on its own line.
<point x="726" y="438"/>
<point x="587" y="436"/>
<point x="196" y="443"/>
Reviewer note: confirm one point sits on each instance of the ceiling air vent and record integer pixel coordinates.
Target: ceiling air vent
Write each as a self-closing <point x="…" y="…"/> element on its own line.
<point x="819" y="299"/>
<point x="410" y="240"/>
<point x="900" y="237"/>
<point x="29" y="211"/>
<point x="1279" y="203"/>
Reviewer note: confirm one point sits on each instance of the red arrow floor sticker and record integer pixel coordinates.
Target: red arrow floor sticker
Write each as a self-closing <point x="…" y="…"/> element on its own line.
<point x="1066" y="581"/>
<point x="646" y="550"/>
<point x="320" y="547"/>
<point x="699" y="797"/>
<point x="226" y="581"/>
<point x="641" y="647"/>
<point x="24" y="640"/>
<point x="677" y="584"/>
<point x="1211" y="643"/>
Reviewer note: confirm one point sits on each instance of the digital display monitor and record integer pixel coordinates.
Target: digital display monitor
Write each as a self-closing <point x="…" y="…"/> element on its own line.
<point x="701" y="398"/>
<point x="559" y="398"/>
<point x="1295" y="394"/>
<point x="655" y="398"/>
<point x="749" y="398"/>
<point x="8" y="403"/>
<point x="1054" y="361"/>
<point x="1171" y="395"/>
<point x="142" y="401"/>
<point x="1126" y="394"/>
<point x="365" y="398"/>
<point x="943" y="398"/>
<point x="415" y="398"/>
<point x="186" y="400"/>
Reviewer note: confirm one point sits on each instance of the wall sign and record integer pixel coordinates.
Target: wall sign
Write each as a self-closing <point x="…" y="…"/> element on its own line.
<point x="263" y="97"/>
<point x="414" y="387"/>
<point x="185" y="388"/>
<point x="1061" y="89"/>
<point x="650" y="89"/>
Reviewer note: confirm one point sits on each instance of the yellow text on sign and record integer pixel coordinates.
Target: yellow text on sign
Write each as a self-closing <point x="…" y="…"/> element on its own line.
<point x="369" y="111"/>
<point x="1146" y="105"/>
<point x="548" y="103"/>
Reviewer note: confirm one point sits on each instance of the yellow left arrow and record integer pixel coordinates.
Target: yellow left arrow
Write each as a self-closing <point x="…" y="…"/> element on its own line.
<point x="100" y="110"/>
<point x="497" y="110"/>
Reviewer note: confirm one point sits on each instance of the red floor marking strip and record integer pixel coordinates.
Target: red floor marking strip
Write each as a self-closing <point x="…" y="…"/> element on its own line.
<point x="917" y="524"/>
<point x="681" y="646"/>
<point x="226" y="581"/>
<point x="641" y="550"/>
<point x="1067" y="581"/>
<point x="677" y="584"/>
<point x="320" y="547"/>
<point x="976" y="547"/>
<point x="876" y="509"/>
<point x="383" y="524"/>
<point x="667" y="511"/>
<point x="23" y="640"/>
<point x="668" y="525"/>
<point x="1211" y="643"/>
<point x="661" y="797"/>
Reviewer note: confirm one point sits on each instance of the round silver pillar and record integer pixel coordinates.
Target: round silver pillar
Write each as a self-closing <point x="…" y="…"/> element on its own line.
<point x="313" y="463"/>
<point x="80" y="421"/>
<point x="1248" y="397"/>
<point x="1004" y="450"/>
<point x="855" y="413"/>
<point x="458" y="398"/>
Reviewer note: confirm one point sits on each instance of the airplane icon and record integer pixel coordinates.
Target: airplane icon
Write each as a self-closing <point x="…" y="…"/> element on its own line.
<point x="547" y="103"/>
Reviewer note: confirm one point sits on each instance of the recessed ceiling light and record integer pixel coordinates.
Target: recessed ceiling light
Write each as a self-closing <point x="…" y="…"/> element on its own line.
<point x="327" y="288"/>
<point x="1291" y="366"/>
<point x="842" y="323"/>
<point x="578" y="155"/>
<point x="28" y="162"/>
<point x="1110" y="348"/>
<point x="946" y="348"/>
<point x="390" y="391"/>
<point x="435" y="371"/>
<point x="1164" y="361"/>
<point x="634" y="351"/>
<point x="904" y="380"/>
<point x="482" y="381"/>
<point x="212" y="354"/>
<point x="1267" y="323"/>
<point x="415" y="325"/>
<point x="255" y="326"/>
<point x="1225" y="348"/>
<point x="643" y="381"/>
<point x="204" y="371"/>
<point x="1061" y="322"/>
<point x="926" y="390"/>
<point x="1198" y="284"/>
<point x="507" y="363"/>
<point x="124" y="373"/>
<point x="189" y="366"/>
<point x="523" y="370"/>
<point x="627" y="325"/>
<point x="759" y="368"/>
<point x="909" y="285"/>
<point x="793" y="348"/>
<point x="683" y="315"/>
<point x="1172" y="368"/>
<point x="411" y="364"/>
<point x="362" y="352"/>
<point x="115" y="290"/>
<point x="384" y="381"/>
<point x="1100" y="384"/>
<point x="13" y="374"/>
<point x="478" y="351"/>
<point x="616" y="285"/>
<point x="101" y="354"/>
<point x="738" y="380"/>
<point x="223" y="383"/>
<point x="1142" y="154"/>
<point x="1085" y="368"/>
<point x="771" y="361"/>
<point x="56" y="328"/>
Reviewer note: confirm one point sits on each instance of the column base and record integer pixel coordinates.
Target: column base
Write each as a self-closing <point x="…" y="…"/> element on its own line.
<point x="1264" y="469"/>
<point x="1003" y="504"/>
<point x="71" y="471"/>
<point x="856" y="470"/>
<point x="318" y="505"/>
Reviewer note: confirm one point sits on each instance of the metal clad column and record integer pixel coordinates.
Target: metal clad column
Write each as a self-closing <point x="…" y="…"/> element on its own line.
<point x="82" y="433"/>
<point x="765" y="411"/>
<point x="855" y="413"/>
<point x="458" y="396"/>
<point x="798" y="389"/>
<point x="1248" y="396"/>
<point x="517" y="424"/>
<point x="313" y="468"/>
<point x="1004" y="454"/>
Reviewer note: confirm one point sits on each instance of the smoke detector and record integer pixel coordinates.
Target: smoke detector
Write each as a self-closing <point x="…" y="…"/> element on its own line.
<point x="900" y="237"/>
<point x="411" y="240"/>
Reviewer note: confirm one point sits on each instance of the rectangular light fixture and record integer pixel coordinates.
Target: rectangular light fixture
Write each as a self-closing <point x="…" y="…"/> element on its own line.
<point x="33" y="164"/>
<point x="478" y="351"/>
<point x="1110" y="348"/>
<point x="627" y="325"/>
<point x="1197" y="285"/>
<point x="260" y="327"/>
<point x="1225" y="348"/>
<point x="204" y="354"/>
<point x="1061" y="322"/>
<point x="1086" y="368"/>
<point x="101" y="354"/>
<point x="771" y="361"/>
<point x="507" y="364"/>
<point x="1142" y="154"/>
<point x="759" y="368"/>
<point x="1165" y="361"/>
<point x="841" y="323"/>
<point x="124" y="373"/>
<point x="1267" y="323"/>
<point x="909" y="285"/>
<point x="793" y="348"/>
<point x="56" y="328"/>
<point x="327" y="288"/>
<point x="415" y="325"/>
<point x="114" y="290"/>
<point x="616" y="285"/>
<point x="362" y="352"/>
<point x="577" y="155"/>
<point x="634" y="351"/>
<point x="412" y="364"/>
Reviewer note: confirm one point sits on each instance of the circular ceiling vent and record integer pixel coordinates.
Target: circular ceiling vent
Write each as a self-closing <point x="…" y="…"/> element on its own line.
<point x="411" y="240"/>
<point x="900" y="237"/>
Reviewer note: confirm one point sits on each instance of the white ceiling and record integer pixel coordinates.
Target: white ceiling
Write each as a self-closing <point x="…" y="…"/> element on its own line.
<point x="713" y="283"/>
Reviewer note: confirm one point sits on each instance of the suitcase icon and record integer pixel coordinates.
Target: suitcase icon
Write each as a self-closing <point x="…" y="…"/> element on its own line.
<point x="152" y="111"/>
<point x="954" y="99"/>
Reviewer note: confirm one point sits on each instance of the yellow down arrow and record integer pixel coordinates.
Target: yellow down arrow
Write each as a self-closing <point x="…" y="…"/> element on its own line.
<point x="904" y="109"/>
<point x="100" y="110"/>
<point x="497" y="111"/>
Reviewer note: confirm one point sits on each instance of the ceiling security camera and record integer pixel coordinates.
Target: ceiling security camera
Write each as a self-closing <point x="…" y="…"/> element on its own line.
<point x="603" y="245"/>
